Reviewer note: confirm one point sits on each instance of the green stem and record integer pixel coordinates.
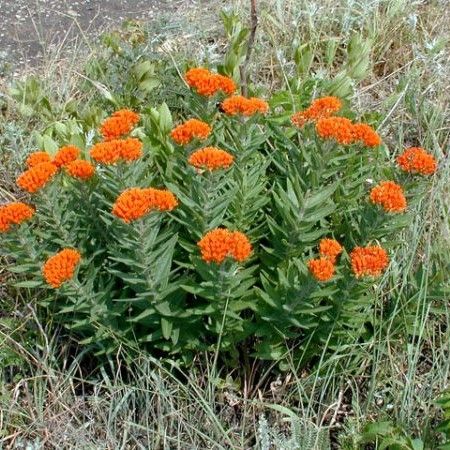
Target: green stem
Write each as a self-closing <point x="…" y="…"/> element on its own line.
<point x="93" y="214"/>
<point x="80" y="291"/>
<point x="49" y="206"/>
<point x="141" y="228"/>
<point x="222" y="326"/>
<point x="207" y="196"/>
<point x="29" y="249"/>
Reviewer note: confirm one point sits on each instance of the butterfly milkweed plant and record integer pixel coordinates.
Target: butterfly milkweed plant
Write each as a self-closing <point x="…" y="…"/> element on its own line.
<point x="239" y="224"/>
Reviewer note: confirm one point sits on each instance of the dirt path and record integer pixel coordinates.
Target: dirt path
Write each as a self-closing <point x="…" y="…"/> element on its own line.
<point x="29" y="28"/>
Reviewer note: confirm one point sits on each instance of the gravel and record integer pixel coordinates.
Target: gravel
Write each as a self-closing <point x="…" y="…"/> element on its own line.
<point x="31" y="29"/>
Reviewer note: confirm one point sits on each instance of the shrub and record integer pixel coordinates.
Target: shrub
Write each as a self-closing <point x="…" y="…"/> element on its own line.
<point x="238" y="230"/>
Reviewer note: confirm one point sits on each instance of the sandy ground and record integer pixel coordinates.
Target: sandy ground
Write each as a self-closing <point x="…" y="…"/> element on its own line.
<point x="29" y="29"/>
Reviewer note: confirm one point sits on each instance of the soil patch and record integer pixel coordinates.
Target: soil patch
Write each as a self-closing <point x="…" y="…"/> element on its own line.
<point x="31" y="29"/>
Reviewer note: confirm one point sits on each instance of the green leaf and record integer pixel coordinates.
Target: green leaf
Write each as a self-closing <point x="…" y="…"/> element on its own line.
<point x="164" y="258"/>
<point x="311" y="201"/>
<point x="372" y="430"/>
<point x="149" y="84"/>
<point x="165" y="118"/>
<point x="175" y="335"/>
<point x="23" y="268"/>
<point x="166" y="327"/>
<point x="320" y="213"/>
<point x="49" y="145"/>
<point x="142" y="68"/>
<point x="28" y="284"/>
<point x="417" y="444"/>
<point x="104" y="91"/>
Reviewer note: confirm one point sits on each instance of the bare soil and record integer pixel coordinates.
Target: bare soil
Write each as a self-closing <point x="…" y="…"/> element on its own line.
<point x="31" y="29"/>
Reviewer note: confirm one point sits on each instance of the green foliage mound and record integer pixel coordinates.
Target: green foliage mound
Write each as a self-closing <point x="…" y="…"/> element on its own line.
<point x="145" y="280"/>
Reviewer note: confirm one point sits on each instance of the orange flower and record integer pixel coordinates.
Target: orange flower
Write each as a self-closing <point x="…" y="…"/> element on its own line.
<point x="186" y="132"/>
<point x="130" y="149"/>
<point x="237" y="104"/>
<point x="121" y="122"/>
<point x="211" y="158"/>
<point x="80" y="169"/>
<point x="198" y="78"/>
<point x="131" y="204"/>
<point x="338" y="128"/>
<point x="417" y="160"/>
<point x="226" y="84"/>
<point x="369" y="261"/>
<point x="4" y="220"/>
<point x="14" y="213"/>
<point x="366" y="134"/>
<point x="18" y="212"/>
<point x="36" y="177"/>
<point x="161" y="199"/>
<point x="66" y="155"/>
<point x="110" y="152"/>
<point x="220" y="243"/>
<point x="259" y="105"/>
<point x="135" y="203"/>
<point x="106" y="152"/>
<point x="330" y="248"/>
<point x="240" y="247"/>
<point x="319" y="108"/>
<point x="36" y="158"/>
<point x="322" y="269"/>
<point x="60" y="267"/>
<point x="344" y="131"/>
<point x="201" y="80"/>
<point x="389" y="195"/>
<point x="215" y="245"/>
<point x="207" y="83"/>
<point x="299" y="119"/>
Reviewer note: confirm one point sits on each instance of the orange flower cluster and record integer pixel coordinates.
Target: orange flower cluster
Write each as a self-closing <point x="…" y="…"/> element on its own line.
<point x="105" y="152"/>
<point x="14" y="214"/>
<point x="238" y="104"/>
<point x="330" y="248"/>
<point x="80" y="169"/>
<point x="366" y="134"/>
<point x="208" y="83"/>
<point x="319" y="108"/>
<point x="60" y="267"/>
<point x="41" y="168"/>
<point x="131" y="204"/>
<point x="135" y="203"/>
<point x="211" y="158"/>
<point x="121" y="122"/>
<point x="189" y="130"/>
<point x="65" y="155"/>
<point x="345" y="132"/>
<point x="220" y="243"/>
<point x="110" y="152"/>
<point x="130" y="149"/>
<point x="417" y="160"/>
<point x="337" y="128"/>
<point x="390" y="196"/>
<point x="36" y="158"/>
<point x="161" y="199"/>
<point x="36" y="177"/>
<point x="369" y="261"/>
<point x="322" y="269"/>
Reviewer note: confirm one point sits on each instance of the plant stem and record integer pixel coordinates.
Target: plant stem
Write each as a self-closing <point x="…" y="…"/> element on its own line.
<point x="251" y="41"/>
<point x="223" y="276"/>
